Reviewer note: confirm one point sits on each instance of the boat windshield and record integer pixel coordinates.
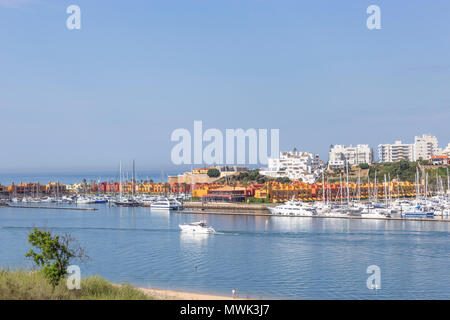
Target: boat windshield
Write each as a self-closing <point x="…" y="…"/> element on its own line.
<point x="201" y="224"/>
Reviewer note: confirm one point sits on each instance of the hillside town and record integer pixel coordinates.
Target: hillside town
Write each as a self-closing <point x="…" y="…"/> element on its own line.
<point x="295" y="174"/>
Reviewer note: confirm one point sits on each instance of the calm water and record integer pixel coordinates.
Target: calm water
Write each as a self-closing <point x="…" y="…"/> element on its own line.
<point x="268" y="257"/>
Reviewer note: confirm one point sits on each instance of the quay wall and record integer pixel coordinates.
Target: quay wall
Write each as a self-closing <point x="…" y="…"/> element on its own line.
<point x="229" y="206"/>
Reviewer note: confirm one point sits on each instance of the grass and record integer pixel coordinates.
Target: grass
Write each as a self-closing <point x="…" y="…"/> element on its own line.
<point x="31" y="285"/>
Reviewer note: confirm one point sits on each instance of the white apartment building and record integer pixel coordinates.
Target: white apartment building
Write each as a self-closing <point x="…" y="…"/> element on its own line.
<point x="295" y="165"/>
<point x="446" y="151"/>
<point x="425" y="146"/>
<point x="422" y="149"/>
<point x="341" y="155"/>
<point x="395" y="152"/>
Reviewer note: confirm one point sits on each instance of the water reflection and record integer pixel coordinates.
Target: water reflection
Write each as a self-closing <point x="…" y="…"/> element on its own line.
<point x="190" y="238"/>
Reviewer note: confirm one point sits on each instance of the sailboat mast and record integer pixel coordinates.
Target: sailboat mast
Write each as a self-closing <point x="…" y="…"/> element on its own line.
<point x="375" y="187"/>
<point x="120" y="180"/>
<point x="328" y="191"/>
<point x="359" y="184"/>
<point x="448" y="183"/>
<point x="323" y="187"/>
<point x="348" y="190"/>
<point x="133" y="179"/>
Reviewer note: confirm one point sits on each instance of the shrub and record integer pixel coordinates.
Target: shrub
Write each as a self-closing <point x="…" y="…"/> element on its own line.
<point x="213" y="173"/>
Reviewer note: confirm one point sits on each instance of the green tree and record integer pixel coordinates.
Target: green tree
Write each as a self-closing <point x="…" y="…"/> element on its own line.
<point x="54" y="253"/>
<point x="364" y="166"/>
<point x="213" y="173"/>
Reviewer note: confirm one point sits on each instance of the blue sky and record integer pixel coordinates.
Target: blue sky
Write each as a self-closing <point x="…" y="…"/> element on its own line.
<point x="77" y="100"/>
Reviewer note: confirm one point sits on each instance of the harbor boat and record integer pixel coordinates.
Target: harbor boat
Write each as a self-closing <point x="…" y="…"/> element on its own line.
<point x="166" y="204"/>
<point x="335" y="214"/>
<point x="99" y="199"/>
<point x="47" y="199"/>
<point x="375" y="215"/>
<point x="30" y="200"/>
<point x="293" y="208"/>
<point x="197" y="227"/>
<point x="126" y="202"/>
<point x="418" y="212"/>
<point x="375" y="211"/>
<point x="349" y="210"/>
<point x="84" y="200"/>
<point x="67" y="199"/>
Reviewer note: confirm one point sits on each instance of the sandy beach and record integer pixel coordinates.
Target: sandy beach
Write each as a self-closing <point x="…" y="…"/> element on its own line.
<point x="181" y="295"/>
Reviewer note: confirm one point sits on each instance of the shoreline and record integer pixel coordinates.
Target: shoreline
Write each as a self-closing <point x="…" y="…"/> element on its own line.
<point x="163" y="294"/>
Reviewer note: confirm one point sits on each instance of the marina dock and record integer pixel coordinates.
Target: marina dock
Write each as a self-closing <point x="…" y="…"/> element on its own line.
<point x="268" y="214"/>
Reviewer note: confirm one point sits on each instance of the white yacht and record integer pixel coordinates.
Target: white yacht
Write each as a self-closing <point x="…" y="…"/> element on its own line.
<point x="417" y="212"/>
<point x="197" y="227"/>
<point x="126" y="202"/>
<point x="293" y="208"/>
<point x="375" y="214"/>
<point x="84" y="200"/>
<point x="167" y="204"/>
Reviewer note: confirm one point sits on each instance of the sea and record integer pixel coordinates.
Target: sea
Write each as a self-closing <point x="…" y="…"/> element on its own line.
<point x="261" y="257"/>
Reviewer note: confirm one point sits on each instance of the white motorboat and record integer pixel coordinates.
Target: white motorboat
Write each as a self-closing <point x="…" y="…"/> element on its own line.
<point x="293" y="208"/>
<point x="197" y="227"/>
<point x="47" y="199"/>
<point x="84" y="200"/>
<point x="375" y="214"/>
<point x="126" y="202"/>
<point x="166" y="204"/>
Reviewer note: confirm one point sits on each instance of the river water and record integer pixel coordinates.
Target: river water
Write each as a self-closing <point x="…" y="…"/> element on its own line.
<point x="260" y="257"/>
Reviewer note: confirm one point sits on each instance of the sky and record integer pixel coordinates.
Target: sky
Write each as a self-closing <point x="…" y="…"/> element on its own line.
<point x="115" y="90"/>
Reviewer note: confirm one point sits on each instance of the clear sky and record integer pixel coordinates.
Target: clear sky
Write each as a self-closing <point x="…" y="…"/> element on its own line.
<point x="137" y="70"/>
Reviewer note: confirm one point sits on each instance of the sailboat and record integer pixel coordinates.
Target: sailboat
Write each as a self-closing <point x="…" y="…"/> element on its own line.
<point x="124" y="201"/>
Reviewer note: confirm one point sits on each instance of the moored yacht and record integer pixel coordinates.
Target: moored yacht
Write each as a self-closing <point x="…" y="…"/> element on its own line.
<point x="293" y="208"/>
<point x="126" y="202"/>
<point x="418" y="212"/>
<point x="166" y="204"/>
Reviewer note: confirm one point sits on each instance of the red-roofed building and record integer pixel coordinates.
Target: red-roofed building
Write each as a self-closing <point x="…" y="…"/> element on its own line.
<point x="439" y="160"/>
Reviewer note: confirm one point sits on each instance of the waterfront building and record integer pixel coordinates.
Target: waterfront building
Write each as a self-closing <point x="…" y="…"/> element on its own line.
<point x="299" y="191"/>
<point x="425" y="147"/>
<point x="200" y="175"/>
<point x="395" y="152"/>
<point x="340" y="156"/>
<point x="227" y="194"/>
<point x="295" y="165"/>
<point x="440" y="160"/>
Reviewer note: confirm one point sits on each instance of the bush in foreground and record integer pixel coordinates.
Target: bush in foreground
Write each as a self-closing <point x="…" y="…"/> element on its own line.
<point x="26" y="285"/>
